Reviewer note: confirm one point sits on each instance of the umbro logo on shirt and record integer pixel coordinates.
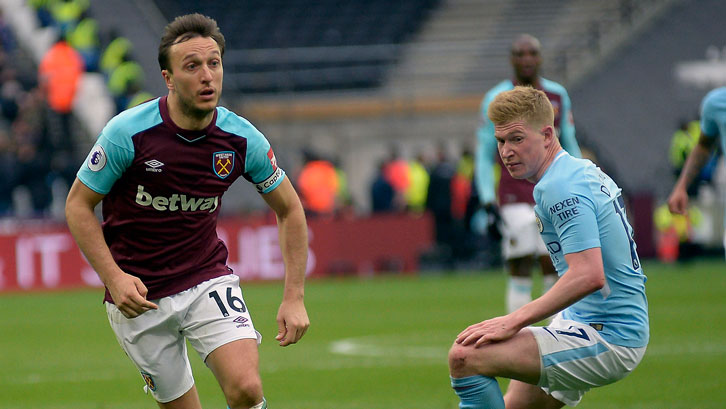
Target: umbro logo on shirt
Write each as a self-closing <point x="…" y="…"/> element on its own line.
<point x="154" y="165"/>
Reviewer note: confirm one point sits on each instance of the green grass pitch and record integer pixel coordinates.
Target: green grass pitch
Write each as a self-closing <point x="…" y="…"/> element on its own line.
<point x="374" y="343"/>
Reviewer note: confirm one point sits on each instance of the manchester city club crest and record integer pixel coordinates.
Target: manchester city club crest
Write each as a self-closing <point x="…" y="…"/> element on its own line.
<point x="223" y="163"/>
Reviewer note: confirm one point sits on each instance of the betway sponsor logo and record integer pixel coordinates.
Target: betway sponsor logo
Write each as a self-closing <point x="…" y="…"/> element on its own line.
<point x="176" y="202"/>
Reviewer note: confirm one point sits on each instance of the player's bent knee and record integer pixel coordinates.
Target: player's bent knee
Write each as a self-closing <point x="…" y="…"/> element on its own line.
<point x="459" y="361"/>
<point x="244" y="393"/>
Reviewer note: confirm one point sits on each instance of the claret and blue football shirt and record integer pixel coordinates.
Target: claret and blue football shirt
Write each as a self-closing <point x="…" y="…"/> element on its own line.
<point x="163" y="189"/>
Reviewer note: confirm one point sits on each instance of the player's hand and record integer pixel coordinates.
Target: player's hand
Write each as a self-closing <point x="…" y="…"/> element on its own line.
<point x="129" y="295"/>
<point x="493" y="330"/>
<point x="678" y="201"/>
<point x="494" y="219"/>
<point x="486" y="220"/>
<point x="292" y="322"/>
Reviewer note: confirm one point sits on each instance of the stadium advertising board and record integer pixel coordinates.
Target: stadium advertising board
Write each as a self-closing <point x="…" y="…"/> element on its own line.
<point x="44" y="256"/>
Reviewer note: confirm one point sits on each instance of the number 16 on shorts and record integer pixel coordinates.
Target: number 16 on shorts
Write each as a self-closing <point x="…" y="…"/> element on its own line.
<point x="234" y="302"/>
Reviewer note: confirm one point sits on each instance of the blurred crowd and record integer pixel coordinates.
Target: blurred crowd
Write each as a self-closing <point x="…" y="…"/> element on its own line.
<point x="38" y="133"/>
<point x="34" y="148"/>
<point x="104" y="51"/>
<point x="440" y="184"/>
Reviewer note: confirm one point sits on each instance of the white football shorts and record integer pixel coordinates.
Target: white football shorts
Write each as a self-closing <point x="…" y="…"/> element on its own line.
<point x="520" y="234"/>
<point x="209" y="315"/>
<point x="575" y="358"/>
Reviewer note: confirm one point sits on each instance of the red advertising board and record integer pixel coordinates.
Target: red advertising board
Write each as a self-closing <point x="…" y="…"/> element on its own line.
<point x="44" y="256"/>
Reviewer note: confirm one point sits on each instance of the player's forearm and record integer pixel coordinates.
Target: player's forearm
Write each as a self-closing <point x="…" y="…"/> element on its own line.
<point x="570" y="288"/>
<point x="294" y="245"/>
<point x="695" y="161"/>
<point x="86" y="230"/>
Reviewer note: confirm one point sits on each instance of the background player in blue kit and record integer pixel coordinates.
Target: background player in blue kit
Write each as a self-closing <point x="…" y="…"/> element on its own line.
<point x="713" y="128"/>
<point x="522" y="247"/>
<point x="601" y="329"/>
<point x="161" y="169"/>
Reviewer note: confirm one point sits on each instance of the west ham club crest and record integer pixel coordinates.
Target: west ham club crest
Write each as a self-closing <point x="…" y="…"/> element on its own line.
<point x="223" y="163"/>
<point x="149" y="381"/>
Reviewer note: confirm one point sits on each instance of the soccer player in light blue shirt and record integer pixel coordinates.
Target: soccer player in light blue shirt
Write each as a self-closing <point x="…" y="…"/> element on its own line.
<point x="600" y="331"/>
<point x="713" y="130"/>
<point x="522" y="248"/>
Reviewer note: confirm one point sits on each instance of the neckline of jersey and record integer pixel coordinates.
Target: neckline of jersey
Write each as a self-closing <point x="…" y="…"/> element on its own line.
<point x="187" y="135"/>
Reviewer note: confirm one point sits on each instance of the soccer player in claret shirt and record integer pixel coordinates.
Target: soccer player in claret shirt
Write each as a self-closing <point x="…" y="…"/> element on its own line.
<point x="601" y="329"/>
<point x="521" y="246"/>
<point x="161" y="169"/>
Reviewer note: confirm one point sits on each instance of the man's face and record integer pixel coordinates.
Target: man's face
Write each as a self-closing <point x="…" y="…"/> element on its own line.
<point x="521" y="148"/>
<point x="196" y="75"/>
<point x="526" y="60"/>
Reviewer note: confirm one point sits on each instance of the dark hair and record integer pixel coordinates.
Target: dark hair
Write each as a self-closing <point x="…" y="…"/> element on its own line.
<point x="184" y="28"/>
<point x="524" y="39"/>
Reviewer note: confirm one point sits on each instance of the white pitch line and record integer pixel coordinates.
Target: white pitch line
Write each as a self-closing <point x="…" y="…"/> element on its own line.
<point x="372" y="347"/>
<point x="356" y="347"/>
<point x="692" y="348"/>
<point x="80" y="377"/>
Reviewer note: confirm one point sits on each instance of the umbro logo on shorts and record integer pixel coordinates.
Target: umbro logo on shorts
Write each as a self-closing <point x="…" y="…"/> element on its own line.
<point x="241" y="322"/>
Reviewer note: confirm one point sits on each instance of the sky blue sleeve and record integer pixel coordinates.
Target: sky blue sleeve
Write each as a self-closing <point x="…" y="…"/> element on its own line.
<point x="106" y="162"/>
<point x="573" y="215"/>
<point x="484" y="157"/>
<point x="261" y="164"/>
<point x="709" y="125"/>
<point x="567" y="128"/>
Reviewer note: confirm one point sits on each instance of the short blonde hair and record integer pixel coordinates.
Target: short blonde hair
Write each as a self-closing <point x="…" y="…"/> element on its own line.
<point x="522" y="103"/>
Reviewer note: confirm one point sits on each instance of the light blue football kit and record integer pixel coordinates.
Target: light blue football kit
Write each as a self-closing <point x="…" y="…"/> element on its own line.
<point x="713" y="122"/>
<point x="579" y="208"/>
<point x="602" y="337"/>
<point x="713" y="115"/>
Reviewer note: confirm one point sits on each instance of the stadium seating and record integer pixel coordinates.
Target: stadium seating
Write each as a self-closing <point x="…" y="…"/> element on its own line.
<point x="295" y="45"/>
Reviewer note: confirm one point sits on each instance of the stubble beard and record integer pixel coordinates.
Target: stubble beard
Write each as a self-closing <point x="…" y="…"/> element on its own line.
<point x="191" y="110"/>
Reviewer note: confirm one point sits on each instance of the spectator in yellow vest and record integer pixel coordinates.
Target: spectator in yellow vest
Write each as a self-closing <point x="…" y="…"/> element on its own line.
<point x="66" y="13"/>
<point x="126" y="76"/>
<point x="113" y="54"/>
<point x="84" y="38"/>
<point x="417" y="190"/>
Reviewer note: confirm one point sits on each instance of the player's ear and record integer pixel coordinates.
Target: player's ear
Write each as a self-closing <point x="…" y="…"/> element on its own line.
<point x="168" y="79"/>
<point x="549" y="133"/>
